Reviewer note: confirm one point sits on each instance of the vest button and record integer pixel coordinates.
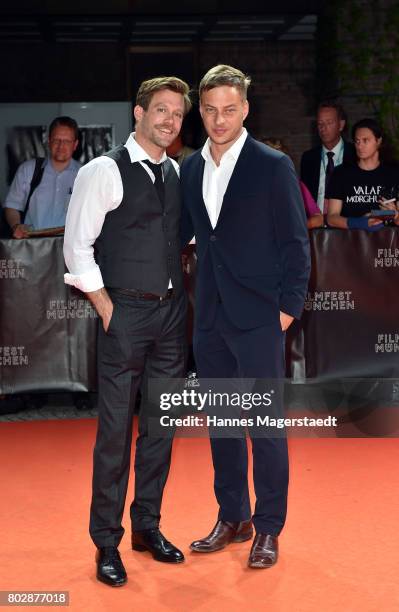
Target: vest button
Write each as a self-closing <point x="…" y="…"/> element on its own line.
<point x="213" y="238"/>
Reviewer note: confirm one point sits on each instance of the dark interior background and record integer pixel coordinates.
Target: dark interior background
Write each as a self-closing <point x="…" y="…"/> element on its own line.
<point x="99" y="51"/>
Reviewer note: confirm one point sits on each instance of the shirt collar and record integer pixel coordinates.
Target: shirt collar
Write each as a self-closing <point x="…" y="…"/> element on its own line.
<point x="234" y="151"/>
<point x="69" y="168"/>
<point x="336" y="150"/>
<point x="137" y="153"/>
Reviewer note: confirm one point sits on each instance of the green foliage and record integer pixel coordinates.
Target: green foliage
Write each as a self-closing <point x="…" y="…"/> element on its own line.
<point x="364" y="47"/>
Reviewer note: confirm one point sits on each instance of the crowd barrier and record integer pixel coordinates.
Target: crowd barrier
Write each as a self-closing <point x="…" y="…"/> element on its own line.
<point x="349" y="328"/>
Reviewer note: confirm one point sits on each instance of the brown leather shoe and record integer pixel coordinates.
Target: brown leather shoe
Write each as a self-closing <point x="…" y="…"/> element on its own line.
<point x="264" y="551"/>
<point x="222" y="534"/>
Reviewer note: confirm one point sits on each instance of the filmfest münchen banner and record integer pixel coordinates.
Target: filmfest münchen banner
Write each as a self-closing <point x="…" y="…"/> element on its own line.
<point x="349" y="328"/>
<point x="350" y="324"/>
<point x="47" y="329"/>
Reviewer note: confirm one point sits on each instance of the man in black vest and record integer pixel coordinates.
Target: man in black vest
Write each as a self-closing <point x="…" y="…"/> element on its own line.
<point x="126" y="206"/>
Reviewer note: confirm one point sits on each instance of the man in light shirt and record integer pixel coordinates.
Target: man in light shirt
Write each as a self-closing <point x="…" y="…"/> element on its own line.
<point x="318" y="163"/>
<point x="45" y="204"/>
<point x="126" y="204"/>
<point x="241" y="199"/>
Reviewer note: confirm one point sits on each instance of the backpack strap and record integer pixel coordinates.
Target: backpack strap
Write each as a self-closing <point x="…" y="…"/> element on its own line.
<point x="35" y="182"/>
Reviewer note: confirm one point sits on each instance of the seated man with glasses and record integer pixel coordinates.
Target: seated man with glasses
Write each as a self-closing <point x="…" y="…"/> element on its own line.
<point x="40" y="192"/>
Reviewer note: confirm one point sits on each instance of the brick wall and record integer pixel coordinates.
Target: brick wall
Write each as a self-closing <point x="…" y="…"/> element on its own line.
<point x="281" y="95"/>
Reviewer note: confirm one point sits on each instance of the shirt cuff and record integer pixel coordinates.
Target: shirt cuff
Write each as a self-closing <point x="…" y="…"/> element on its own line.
<point x="86" y="282"/>
<point x="19" y="206"/>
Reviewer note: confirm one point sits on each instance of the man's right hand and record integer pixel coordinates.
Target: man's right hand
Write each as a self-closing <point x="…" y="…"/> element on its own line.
<point x="103" y="305"/>
<point x="20" y="231"/>
<point x="107" y="316"/>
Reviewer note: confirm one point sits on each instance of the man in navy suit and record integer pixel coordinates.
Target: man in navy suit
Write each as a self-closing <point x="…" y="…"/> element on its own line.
<point x="242" y="202"/>
<point x="318" y="163"/>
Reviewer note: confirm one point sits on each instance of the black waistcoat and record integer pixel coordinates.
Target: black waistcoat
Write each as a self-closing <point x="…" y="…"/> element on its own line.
<point x="139" y="244"/>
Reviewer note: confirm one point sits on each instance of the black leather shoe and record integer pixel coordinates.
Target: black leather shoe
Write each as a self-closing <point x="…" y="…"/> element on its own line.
<point x="223" y="534"/>
<point x="110" y="567"/>
<point x="153" y="541"/>
<point x="264" y="551"/>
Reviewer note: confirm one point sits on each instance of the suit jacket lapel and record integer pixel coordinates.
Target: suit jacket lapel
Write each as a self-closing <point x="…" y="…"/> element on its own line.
<point x="237" y="184"/>
<point x="199" y="174"/>
<point x="317" y="168"/>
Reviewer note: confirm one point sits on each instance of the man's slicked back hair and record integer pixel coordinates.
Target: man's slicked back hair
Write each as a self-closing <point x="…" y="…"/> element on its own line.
<point x="222" y="75"/>
<point x="333" y="104"/>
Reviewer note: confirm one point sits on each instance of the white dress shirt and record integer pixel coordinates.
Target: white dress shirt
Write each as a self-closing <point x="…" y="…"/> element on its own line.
<point x="338" y="158"/>
<point x="216" y="178"/>
<point x="98" y="189"/>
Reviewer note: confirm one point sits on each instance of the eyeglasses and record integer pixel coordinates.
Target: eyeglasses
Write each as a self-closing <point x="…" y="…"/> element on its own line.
<point x="61" y="141"/>
<point x="322" y="124"/>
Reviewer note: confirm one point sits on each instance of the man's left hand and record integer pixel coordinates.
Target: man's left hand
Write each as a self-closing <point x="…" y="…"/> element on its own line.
<point x="285" y="320"/>
<point x="394" y="206"/>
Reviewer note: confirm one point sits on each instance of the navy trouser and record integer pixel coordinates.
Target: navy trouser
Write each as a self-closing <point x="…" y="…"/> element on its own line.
<point x="145" y="339"/>
<point x="225" y="351"/>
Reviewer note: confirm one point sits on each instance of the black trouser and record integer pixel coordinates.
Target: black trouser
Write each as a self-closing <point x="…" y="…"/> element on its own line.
<point x="145" y="339"/>
<point x="226" y="352"/>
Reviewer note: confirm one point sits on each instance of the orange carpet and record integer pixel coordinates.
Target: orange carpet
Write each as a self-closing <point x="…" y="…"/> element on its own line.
<point x="339" y="550"/>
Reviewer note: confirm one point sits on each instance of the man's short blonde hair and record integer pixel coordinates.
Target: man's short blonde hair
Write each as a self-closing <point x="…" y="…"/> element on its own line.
<point x="222" y="74"/>
<point x="148" y="88"/>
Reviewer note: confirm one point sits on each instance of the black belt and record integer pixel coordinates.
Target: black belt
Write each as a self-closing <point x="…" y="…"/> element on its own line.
<point x="143" y="295"/>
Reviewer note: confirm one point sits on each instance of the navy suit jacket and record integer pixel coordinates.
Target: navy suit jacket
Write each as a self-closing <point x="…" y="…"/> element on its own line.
<point x="257" y="257"/>
<point x="310" y="166"/>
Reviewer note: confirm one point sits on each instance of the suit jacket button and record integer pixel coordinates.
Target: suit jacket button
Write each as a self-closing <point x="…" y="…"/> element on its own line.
<point x="213" y="238"/>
